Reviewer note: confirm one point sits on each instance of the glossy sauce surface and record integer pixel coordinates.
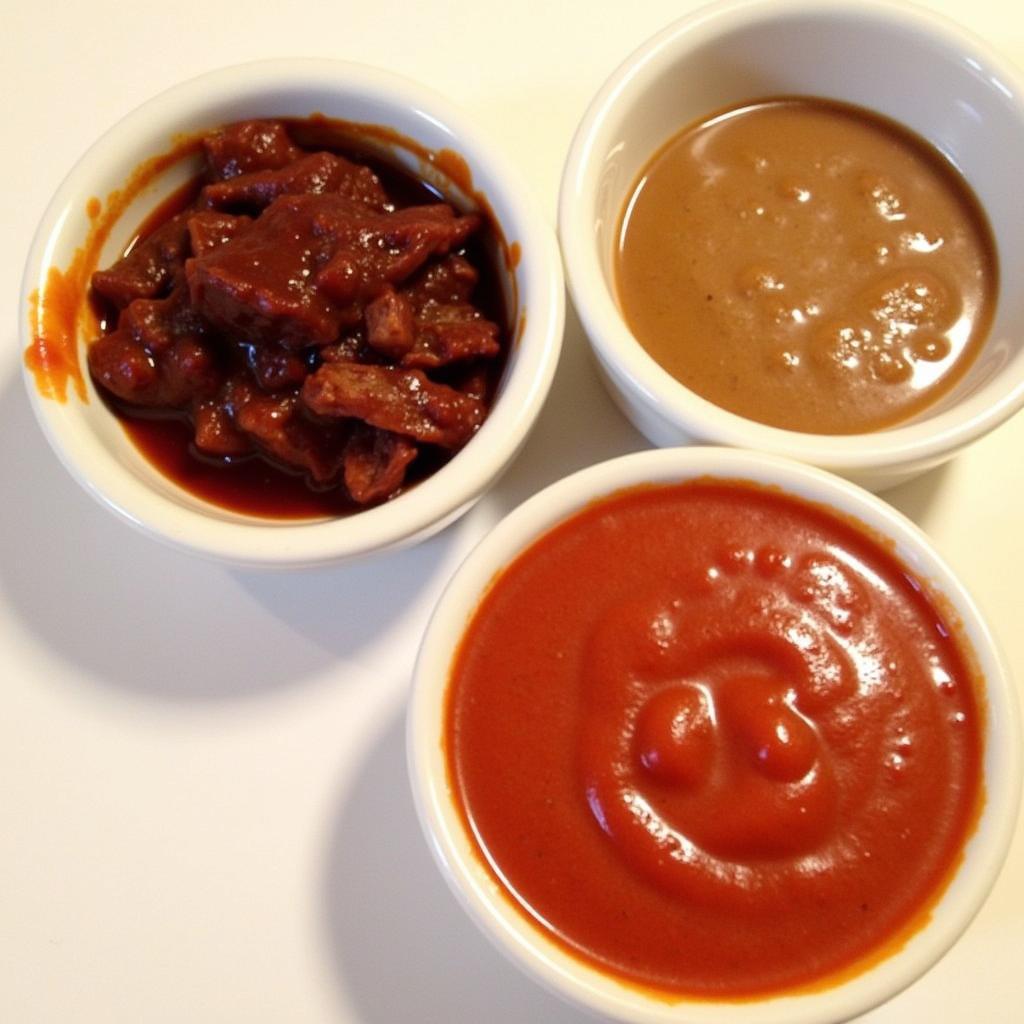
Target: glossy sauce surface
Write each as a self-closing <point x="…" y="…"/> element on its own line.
<point x="329" y="327"/>
<point x="249" y="484"/>
<point x="808" y="265"/>
<point x="748" y="759"/>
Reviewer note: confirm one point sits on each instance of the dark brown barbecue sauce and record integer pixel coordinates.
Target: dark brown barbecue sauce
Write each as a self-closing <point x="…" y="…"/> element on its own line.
<point x="455" y="356"/>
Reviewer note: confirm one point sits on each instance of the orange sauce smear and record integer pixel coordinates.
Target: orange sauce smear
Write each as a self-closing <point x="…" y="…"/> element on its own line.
<point x="59" y="312"/>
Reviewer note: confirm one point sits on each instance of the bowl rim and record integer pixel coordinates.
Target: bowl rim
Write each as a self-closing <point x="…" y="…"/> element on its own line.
<point x="434" y="502"/>
<point x="493" y="911"/>
<point x="921" y="441"/>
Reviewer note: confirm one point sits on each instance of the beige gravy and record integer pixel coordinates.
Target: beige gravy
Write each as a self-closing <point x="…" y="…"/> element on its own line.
<point x="807" y="264"/>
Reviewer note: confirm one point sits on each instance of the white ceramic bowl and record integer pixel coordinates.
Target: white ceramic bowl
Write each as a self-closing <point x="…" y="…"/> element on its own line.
<point x="457" y="854"/>
<point x="899" y="60"/>
<point x="92" y="444"/>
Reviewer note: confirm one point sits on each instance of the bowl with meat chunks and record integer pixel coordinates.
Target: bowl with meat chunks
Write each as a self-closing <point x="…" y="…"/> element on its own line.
<point x="291" y="313"/>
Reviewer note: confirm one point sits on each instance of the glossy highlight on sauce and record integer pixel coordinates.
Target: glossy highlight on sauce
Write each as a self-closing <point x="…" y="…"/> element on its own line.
<point x="715" y="741"/>
<point x="807" y="264"/>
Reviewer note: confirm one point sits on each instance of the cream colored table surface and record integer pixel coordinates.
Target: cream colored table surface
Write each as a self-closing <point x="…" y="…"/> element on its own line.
<point x="204" y="807"/>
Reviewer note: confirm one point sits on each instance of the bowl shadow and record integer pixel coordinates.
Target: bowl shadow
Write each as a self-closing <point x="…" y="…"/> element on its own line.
<point x="579" y="425"/>
<point x="130" y="613"/>
<point x="400" y="947"/>
<point x="917" y="498"/>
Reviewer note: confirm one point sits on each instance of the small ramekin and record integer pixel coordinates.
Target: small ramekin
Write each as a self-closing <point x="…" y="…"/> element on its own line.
<point x="899" y="60"/>
<point x="521" y="940"/>
<point x="91" y="443"/>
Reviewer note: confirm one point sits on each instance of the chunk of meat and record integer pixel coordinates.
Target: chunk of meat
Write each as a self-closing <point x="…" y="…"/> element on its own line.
<point x="406" y="402"/>
<point x="158" y="356"/>
<point x="314" y="174"/>
<point x="375" y="463"/>
<point x="158" y="323"/>
<point x="350" y="348"/>
<point x="447" y="327"/>
<point x="149" y="268"/>
<point x="121" y="365"/>
<point x="209" y="229"/>
<point x="299" y="274"/>
<point x="216" y="432"/>
<point x="248" y="146"/>
<point x="450" y="333"/>
<point x="475" y="383"/>
<point x="261" y="286"/>
<point x="390" y="326"/>
<point x="450" y="280"/>
<point x="371" y="251"/>
<point x="276" y="368"/>
<point x="276" y="424"/>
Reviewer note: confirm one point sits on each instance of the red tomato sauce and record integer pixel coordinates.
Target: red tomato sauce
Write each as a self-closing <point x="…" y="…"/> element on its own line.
<point x="716" y="741"/>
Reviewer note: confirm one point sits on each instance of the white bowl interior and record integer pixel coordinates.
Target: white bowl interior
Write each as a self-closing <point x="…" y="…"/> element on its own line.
<point x="507" y="927"/>
<point x="91" y="442"/>
<point x="897" y="60"/>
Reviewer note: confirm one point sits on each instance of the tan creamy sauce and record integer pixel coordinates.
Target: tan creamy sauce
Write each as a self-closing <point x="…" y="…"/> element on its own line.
<point x="807" y="264"/>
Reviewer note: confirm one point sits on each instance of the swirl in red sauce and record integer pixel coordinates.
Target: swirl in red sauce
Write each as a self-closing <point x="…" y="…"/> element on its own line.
<point x="715" y="740"/>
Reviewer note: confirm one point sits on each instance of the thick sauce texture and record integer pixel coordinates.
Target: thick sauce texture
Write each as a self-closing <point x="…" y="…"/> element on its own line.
<point x="809" y="265"/>
<point x="715" y="741"/>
